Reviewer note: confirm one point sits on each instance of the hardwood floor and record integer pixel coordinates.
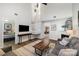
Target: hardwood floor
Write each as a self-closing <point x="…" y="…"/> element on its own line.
<point x="53" y="41"/>
<point x="27" y="50"/>
<point x="16" y="46"/>
<point x="1" y="52"/>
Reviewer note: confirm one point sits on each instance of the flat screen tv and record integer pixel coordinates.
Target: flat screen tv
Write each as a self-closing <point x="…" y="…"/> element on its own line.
<point x="23" y="28"/>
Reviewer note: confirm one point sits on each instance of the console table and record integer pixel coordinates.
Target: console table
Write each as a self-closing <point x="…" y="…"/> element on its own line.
<point x="20" y="35"/>
<point x="24" y="34"/>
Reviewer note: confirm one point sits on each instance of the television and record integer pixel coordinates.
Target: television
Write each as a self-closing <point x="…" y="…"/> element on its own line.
<point x="23" y="28"/>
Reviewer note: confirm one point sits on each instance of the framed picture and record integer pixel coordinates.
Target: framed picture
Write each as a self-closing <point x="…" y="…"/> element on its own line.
<point x="53" y="27"/>
<point x="7" y="26"/>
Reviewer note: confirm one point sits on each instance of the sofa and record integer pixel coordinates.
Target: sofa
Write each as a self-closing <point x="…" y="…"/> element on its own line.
<point x="73" y="44"/>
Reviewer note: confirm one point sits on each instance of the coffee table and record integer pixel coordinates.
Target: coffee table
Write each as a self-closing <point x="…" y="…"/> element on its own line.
<point x="40" y="47"/>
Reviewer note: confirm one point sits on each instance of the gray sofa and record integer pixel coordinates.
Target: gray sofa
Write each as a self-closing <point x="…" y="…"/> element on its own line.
<point x="73" y="43"/>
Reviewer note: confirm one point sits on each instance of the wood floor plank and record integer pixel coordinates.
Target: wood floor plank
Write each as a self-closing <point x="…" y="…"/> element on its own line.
<point x="1" y="52"/>
<point x="33" y="43"/>
<point x="30" y="48"/>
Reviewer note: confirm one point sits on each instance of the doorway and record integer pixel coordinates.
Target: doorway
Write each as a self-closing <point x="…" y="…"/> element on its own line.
<point x="45" y="28"/>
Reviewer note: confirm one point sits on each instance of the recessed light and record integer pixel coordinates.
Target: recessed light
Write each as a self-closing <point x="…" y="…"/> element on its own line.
<point x="6" y="20"/>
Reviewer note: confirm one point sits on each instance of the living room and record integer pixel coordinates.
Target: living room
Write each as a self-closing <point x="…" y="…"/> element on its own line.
<point x="25" y="24"/>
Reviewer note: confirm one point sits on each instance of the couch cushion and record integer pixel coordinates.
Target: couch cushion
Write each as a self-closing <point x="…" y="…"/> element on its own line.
<point x="73" y="41"/>
<point x="68" y="52"/>
<point x="57" y="48"/>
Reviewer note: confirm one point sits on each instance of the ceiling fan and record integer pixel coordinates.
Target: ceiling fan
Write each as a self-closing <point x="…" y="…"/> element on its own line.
<point x="44" y="3"/>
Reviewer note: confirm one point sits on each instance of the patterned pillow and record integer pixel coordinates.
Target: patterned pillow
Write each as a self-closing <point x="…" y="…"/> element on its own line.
<point x="65" y="41"/>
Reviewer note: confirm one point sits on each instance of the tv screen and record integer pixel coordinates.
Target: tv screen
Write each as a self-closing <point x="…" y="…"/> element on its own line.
<point x="23" y="28"/>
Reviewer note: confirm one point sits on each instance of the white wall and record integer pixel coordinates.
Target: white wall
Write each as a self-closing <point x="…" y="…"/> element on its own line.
<point x="1" y="33"/>
<point x="60" y="10"/>
<point x="8" y="10"/>
<point x="75" y="18"/>
<point x="59" y="30"/>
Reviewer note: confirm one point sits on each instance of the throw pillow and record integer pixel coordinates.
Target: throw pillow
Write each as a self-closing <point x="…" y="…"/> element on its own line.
<point x="65" y="41"/>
